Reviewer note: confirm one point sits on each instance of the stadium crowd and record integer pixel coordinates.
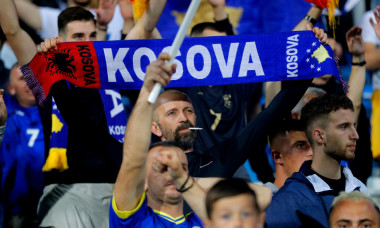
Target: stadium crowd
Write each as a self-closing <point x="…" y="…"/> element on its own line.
<point x="187" y="159"/>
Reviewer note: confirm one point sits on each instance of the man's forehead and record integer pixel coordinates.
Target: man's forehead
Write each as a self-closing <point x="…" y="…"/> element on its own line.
<point x="341" y="115"/>
<point x="171" y="95"/>
<point x="361" y="205"/>
<point x="295" y="134"/>
<point x="171" y="105"/>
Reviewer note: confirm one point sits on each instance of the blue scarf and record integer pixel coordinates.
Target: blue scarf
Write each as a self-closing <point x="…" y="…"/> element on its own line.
<point x="201" y="62"/>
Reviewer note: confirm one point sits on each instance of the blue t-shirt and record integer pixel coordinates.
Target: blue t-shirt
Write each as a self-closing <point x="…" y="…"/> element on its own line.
<point x="143" y="216"/>
<point x="22" y="157"/>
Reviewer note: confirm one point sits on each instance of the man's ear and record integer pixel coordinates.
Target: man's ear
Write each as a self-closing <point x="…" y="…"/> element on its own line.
<point x="319" y="136"/>
<point x="11" y="89"/>
<point x="156" y="130"/>
<point x="277" y="157"/>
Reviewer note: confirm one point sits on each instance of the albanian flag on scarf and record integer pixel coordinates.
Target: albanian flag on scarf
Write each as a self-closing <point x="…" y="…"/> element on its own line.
<point x="200" y="62"/>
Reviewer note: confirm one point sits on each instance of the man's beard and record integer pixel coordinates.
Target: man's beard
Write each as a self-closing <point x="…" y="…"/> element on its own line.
<point x="184" y="140"/>
<point x="342" y="156"/>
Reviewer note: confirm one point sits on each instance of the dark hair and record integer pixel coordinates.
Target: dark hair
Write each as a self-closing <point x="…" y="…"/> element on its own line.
<point x="164" y="144"/>
<point x="228" y="188"/>
<point x="73" y="14"/>
<point x="198" y="29"/>
<point x="320" y="107"/>
<point x="285" y="126"/>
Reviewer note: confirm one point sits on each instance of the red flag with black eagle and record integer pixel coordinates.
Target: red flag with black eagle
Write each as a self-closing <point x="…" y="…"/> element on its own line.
<point x="64" y="63"/>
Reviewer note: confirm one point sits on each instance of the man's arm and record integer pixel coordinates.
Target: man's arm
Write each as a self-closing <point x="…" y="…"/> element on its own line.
<point x="313" y="14"/>
<point x="221" y="16"/>
<point x="20" y="42"/>
<point x="145" y="28"/>
<point x="129" y="185"/>
<point x="29" y="13"/>
<point x="356" y="82"/>
<point x="127" y="13"/>
<point x="219" y="9"/>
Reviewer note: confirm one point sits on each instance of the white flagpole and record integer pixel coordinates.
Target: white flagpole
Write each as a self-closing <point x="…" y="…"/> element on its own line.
<point x="176" y="44"/>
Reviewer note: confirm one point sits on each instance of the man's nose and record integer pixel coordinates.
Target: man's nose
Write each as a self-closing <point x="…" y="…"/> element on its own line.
<point x="183" y="117"/>
<point x="354" y="134"/>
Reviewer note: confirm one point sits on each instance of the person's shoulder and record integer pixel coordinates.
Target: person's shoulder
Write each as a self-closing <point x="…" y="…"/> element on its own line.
<point x="141" y="216"/>
<point x="296" y="186"/>
<point x="353" y="183"/>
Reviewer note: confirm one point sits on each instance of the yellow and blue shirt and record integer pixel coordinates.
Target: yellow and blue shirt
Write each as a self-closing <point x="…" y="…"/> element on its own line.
<point x="143" y="216"/>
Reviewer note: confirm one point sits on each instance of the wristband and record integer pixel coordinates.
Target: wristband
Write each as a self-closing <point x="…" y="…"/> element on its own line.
<point x="362" y="63"/>
<point x="182" y="188"/>
<point x="310" y="19"/>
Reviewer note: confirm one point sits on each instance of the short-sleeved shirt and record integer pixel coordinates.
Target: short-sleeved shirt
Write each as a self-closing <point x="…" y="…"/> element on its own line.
<point x="143" y="216"/>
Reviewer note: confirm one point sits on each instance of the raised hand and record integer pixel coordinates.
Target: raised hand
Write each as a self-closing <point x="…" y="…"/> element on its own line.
<point x="319" y="33"/>
<point x="169" y="161"/>
<point x="376" y="26"/>
<point x="49" y="44"/>
<point x="105" y="12"/>
<point x="159" y="71"/>
<point x="355" y="41"/>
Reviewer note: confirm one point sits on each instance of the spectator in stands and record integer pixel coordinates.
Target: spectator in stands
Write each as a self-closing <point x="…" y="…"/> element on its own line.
<point x="174" y="114"/>
<point x="162" y="170"/>
<point x="232" y="203"/>
<point x="354" y="209"/>
<point x="289" y="149"/>
<point x="91" y="166"/>
<point x="21" y="154"/>
<point x="160" y="203"/>
<point x="361" y="166"/>
<point x="306" y="196"/>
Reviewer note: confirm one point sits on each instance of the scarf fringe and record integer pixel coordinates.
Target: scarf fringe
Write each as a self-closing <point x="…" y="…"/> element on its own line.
<point x="33" y="84"/>
<point x="340" y="78"/>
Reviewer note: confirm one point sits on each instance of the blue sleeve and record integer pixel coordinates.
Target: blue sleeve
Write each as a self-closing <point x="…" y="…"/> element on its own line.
<point x="282" y="211"/>
<point x="131" y="218"/>
<point x="296" y="208"/>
